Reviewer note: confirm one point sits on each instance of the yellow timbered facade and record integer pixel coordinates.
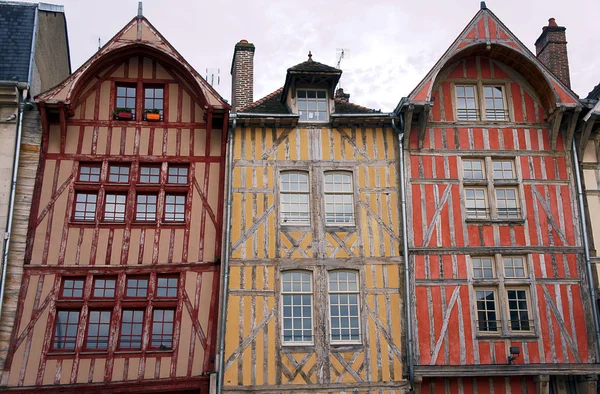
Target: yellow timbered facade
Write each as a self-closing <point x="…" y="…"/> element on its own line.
<point x="314" y="295"/>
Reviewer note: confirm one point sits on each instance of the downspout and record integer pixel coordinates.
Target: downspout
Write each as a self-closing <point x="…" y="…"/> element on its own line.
<point x="17" y="155"/>
<point x="586" y="247"/>
<point x="405" y="255"/>
<point x="226" y="255"/>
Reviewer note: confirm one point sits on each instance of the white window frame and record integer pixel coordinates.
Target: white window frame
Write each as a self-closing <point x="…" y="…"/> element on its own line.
<point x="291" y="342"/>
<point x="492" y="267"/>
<point x="342" y="193"/>
<point x="339" y="292"/>
<point x="472" y="171"/>
<point x="498" y="321"/>
<point x="290" y="193"/>
<point x="470" y="114"/>
<point x="503" y="170"/>
<point x="513" y="258"/>
<point x="495" y="110"/>
<point x="317" y="100"/>
<point x="530" y="320"/>
<point x="507" y="214"/>
<point x="477" y="214"/>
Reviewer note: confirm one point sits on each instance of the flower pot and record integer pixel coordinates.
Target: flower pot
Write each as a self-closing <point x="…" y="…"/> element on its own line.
<point x="153" y="117"/>
<point x="124" y="115"/>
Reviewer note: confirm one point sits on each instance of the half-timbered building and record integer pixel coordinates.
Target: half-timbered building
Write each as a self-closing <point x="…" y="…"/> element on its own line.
<point x="120" y="285"/>
<point x="499" y="292"/>
<point x="315" y="273"/>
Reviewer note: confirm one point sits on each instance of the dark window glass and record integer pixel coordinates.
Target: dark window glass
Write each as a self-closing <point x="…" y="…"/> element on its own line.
<point x="85" y="207"/>
<point x="166" y="287"/>
<point x="104" y="288"/>
<point x="118" y="174"/>
<point x="149" y="174"/>
<point x="131" y="329"/>
<point x="65" y="332"/>
<point x="72" y="288"/>
<point x="162" y="329"/>
<point x="137" y="287"/>
<point x="89" y="173"/>
<point x="98" y="330"/>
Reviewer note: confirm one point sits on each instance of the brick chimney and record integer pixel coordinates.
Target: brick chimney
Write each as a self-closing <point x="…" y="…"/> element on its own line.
<point x="551" y="49"/>
<point x="339" y="94"/>
<point x="242" y="75"/>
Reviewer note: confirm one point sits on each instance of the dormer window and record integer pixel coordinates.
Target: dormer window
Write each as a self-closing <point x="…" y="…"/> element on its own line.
<point x="312" y="105"/>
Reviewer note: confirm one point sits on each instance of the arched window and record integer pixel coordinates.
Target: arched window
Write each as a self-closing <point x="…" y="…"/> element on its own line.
<point x="294" y="195"/>
<point x="297" y="302"/>
<point x="339" y="198"/>
<point x="344" y="310"/>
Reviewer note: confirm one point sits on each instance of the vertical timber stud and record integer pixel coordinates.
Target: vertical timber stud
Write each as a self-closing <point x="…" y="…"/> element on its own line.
<point x="542" y="384"/>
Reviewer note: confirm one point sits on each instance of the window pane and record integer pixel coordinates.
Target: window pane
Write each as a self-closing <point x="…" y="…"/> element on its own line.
<point x="104" y="287"/>
<point x="149" y="174"/>
<point x="506" y="200"/>
<point x="494" y="103"/>
<point x="503" y="169"/>
<point x="85" y="207"/>
<point x="312" y="105"/>
<point x="166" y="287"/>
<point x="175" y="208"/>
<point x="343" y="306"/>
<point x="145" y="210"/>
<point x="89" y="173"/>
<point x="483" y="268"/>
<point x="297" y="306"/>
<point x="118" y="174"/>
<point x="137" y="287"/>
<point x="466" y="107"/>
<point x="72" y="288"/>
<point x="486" y="311"/>
<point x="294" y="198"/>
<point x="131" y="329"/>
<point x="98" y="330"/>
<point x="475" y="203"/>
<point x="162" y="329"/>
<point x="339" y="198"/>
<point x="114" y="207"/>
<point x="519" y="314"/>
<point x="65" y="332"/>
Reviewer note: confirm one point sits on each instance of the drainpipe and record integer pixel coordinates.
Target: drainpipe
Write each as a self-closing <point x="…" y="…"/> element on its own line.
<point x="11" y="202"/>
<point x="405" y="255"/>
<point x="226" y="255"/>
<point x="586" y="247"/>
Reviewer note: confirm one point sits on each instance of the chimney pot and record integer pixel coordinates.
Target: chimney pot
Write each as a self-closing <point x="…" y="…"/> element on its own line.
<point x="552" y="22"/>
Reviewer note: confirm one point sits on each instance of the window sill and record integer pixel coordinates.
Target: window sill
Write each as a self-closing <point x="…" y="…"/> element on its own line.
<point x="296" y="227"/>
<point x="293" y="348"/>
<point x="474" y="221"/>
<point x="524" y="336"/>
<point x="349" y="228"/>
<point x="346" y="346"/>
<point x="475" y="182"/>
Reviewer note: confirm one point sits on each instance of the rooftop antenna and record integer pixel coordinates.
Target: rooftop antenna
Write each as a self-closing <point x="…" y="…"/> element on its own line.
<point x="140" y="10"/>
<point x="341" y="53"/>
<point x="99" y="46"/>
<point x="213" y="74"/>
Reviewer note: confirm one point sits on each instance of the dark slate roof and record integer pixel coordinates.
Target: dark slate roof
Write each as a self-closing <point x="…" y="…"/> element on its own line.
<point x="270" y="104"/>
<point x="594" y="94"/>
<point x="16" y="31"/>
<point x="316" y="67"/>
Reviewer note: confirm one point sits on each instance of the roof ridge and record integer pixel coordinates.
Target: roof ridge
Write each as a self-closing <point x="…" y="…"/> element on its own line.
<point x="261" y="100"/>
<point x="353" y="104"/>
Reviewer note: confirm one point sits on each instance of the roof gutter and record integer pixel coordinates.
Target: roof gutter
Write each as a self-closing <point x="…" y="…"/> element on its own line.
<point x="258" y="115"/>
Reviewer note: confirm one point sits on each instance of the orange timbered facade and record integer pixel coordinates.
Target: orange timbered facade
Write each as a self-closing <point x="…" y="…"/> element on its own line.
<point x="121" y="272"/>
<point x="499" y="290"/>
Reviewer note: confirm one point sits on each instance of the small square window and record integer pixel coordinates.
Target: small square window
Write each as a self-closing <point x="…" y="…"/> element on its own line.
<point x="150" y="174"/>
<point x="85" y="207"/>
<point x="483" y="268"/>
<point x="137" y="287"/>
<point x="114" y="207"/>
<point x="312" y="105"/>
<point x="104" y="288"/>
<point x="166" y="287"/>
<point x="514" y="267"/>
<point x="175" y="208"/>
<point x="178" y="175"/>
<point x="504" y="170"/>
<point x="145" y="208"/>
<point x="89" y="173"/>
<point x="72" y="288"/>
<point x="118" y="174"/>
<point x="473" y="170"/>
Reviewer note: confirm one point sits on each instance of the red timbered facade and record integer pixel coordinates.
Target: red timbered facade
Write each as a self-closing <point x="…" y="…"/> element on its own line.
<point x="122" y="262"/>
<point x="499" y="292"/>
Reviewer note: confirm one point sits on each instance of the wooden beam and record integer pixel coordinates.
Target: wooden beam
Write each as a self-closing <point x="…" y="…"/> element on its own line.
<point x="557" y="119"/>
<point x="571" y="128"/>
<point x="408" y="123"/>
<point x="423" y="124"/>
<point x="542" y="385"/>
<point x="585" y="135"/>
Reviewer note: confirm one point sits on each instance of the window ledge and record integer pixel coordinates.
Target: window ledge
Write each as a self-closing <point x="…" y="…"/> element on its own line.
<point x="296" y="227"/>
<point x="293" y="348"/>
<point x="475" y="221"/>
<point x="346" y="346"/>
<point x="523" y="336"/>
<point x="475" y="182"/>
<point x="351" y="228"/>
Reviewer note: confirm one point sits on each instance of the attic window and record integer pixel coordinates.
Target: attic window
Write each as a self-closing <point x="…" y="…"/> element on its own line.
<point x="312" y="105"/>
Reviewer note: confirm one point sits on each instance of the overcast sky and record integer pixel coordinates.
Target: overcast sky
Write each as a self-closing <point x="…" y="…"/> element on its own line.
<point x="391" y="44"/>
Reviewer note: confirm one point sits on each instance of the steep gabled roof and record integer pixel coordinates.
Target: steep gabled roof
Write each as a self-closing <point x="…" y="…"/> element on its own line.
<point x="486" y="35"/>
<point x="311" y="72"/>
<point x="16" y="33"/>
<point x="594" y="94"/>
<point x="346" y="107"/>
<point x="314" y="67"/>
<point x="138" y="36"/>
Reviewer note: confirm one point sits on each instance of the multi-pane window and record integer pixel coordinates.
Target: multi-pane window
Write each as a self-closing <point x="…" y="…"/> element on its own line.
<point x="118" y="173"/>
<point x="466" y="103"/>
<point x="149" y="174"/>
<point x="494" y="103"/>
<point x="126" y="98"/>
<point x="339" y="198"/>
<point x="177" y="175"/>
<point x="72" y="288"/>
<point x="503" y="170"/>
<point x="89" y="173"/>
<point x="132" y="324"/>
<point x="514" y="267"/>
<point x="114" y="207"/>
<point x="104" y="287"/>
<point x="65" y="330"/>
<point x="343" y="306"/>
<point x="297" y="307"/>
<point x="294" y="198"/>
<point x="154" y="99"/>
<point x="166" y="287"/>
<point x="473" y="169"/>
<point x="175" y="208"/>
<point x="85" y="206"/>
<point x="501" y="306"/>
<point x="501" y="189"/>
<point x="483" y="267"/>
<point x="487" y="319"/>
<point x="136" y="287"/>
<point x="145" y="207"/>
<point x="518" y="310"/>
<point x="98" y="330"/>
<point x="312" y="105"/>
<point x="162" y="329"/>
<point x="507" y="204"/>
<point x="476" y="203"/>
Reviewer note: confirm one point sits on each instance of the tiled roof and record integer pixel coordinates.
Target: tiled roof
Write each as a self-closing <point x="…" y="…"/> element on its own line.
<point x="270" y="104"/>
<point x="316" y="67"/>
<point x="16" y="31"/>
<point x="345" y="107"/>
<point x="594" y="94"/>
